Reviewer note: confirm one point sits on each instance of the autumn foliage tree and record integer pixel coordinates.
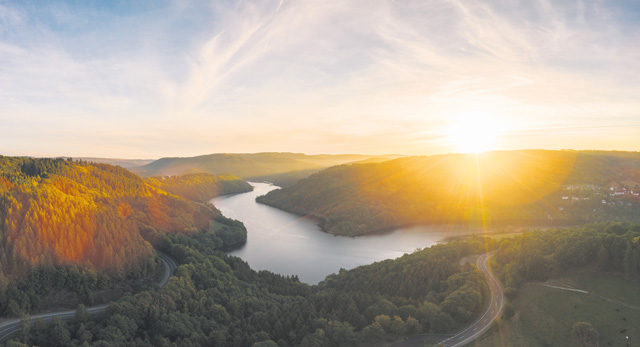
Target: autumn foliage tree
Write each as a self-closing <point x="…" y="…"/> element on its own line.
<point x="59" y="213"/>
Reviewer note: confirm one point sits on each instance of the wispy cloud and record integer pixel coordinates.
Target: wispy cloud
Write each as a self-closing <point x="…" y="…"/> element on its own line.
<point x="187" y="78"/>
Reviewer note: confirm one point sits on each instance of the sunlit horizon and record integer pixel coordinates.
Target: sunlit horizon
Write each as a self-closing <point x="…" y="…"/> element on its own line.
<point x="162" y="79"/>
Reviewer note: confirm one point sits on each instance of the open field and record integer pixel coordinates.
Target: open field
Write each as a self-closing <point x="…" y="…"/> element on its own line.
<point x="544" y="316"/>
<point x="609" y="285"/>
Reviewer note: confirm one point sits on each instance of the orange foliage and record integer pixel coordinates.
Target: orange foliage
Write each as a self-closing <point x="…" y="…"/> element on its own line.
<point x="5" y="185"/>
<point x="124" y="210"/>
<point x="65" y="212"/>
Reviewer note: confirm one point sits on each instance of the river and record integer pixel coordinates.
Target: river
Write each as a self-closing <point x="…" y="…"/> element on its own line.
<point x="289" y="244"/>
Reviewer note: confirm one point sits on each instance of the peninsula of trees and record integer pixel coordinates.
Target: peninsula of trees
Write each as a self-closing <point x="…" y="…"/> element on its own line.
<point x="529" y="185"/>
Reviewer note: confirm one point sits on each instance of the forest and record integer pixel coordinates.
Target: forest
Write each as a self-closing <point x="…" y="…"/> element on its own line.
<point x="570" y="287"/>
<point x="82" y="226"/>
<point x="543" y="254"/>
<point x="217" y="300"/>
<point x="281" y="168"/>
<point x="507" y="186"/>
<point x="201" y="187"/>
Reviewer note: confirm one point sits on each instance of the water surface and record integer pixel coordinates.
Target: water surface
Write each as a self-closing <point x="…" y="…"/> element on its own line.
<point x="289" y="244"/>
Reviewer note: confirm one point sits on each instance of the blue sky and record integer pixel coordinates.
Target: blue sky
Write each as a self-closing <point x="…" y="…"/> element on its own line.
<point x="179" y="78"/>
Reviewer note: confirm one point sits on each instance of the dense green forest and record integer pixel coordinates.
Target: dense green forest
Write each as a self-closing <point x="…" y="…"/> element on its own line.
<point x="283" y="169"/>
<point x="532" y="185"/>
<point x="218" y="300"/>
<point x="543" y="254"/>
<point x="81" y="226"/>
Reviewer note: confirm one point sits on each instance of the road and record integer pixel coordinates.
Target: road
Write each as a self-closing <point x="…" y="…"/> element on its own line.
<point x="481" y="325"/>
<point x="493" y="311"/>
<point x="169" y="266"/>
<point x="12" y="326"/>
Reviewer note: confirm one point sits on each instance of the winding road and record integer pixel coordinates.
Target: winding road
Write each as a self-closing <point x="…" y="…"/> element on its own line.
<point x="465" y="336"/>
<point x="493" y="311"/>
<point x="12" y="326"/>
<point x="482" y="324"/>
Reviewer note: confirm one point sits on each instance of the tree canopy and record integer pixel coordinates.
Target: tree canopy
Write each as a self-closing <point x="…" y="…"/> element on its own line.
<point x="474" y="188"/>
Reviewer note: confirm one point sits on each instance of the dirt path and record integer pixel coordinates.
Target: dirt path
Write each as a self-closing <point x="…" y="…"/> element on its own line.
<point x="562" y="288"/>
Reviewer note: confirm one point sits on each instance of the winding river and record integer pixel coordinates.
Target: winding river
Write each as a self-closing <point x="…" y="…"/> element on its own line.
<point x="289" y="244"/>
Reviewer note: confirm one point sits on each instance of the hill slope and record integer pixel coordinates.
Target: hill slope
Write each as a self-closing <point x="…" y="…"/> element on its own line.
<point x="518" y="185"/>
<point x="61" y="212"/>
<point x="125" y="163"/>
<point x="201" y="187"/>
<point x="288" y="167"/>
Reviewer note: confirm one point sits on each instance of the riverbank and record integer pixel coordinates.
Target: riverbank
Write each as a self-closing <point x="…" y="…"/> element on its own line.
<point x="478" y="225"/>
<point x="290" y="244"/>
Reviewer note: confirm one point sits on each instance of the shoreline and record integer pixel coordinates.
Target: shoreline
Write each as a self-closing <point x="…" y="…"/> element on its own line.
<point x="493" y="225"/>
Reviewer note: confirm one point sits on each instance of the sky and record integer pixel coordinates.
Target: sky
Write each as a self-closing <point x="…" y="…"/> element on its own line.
<point x="151" y="79"/>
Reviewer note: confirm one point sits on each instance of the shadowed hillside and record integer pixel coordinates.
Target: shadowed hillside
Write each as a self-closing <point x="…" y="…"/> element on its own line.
<point x="508" y="186"/>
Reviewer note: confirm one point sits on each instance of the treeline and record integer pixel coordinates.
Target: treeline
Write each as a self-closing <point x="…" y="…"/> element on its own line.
<point x="250" y="166"/>
<point x="539" y="255"/>
<point x="201" y="187"/>
<point x="217" y="300"/>
<point x="62" y="218"/>
<point x="494" y="186"/>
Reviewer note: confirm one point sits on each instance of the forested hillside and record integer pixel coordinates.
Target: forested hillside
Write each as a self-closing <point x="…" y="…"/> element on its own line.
<point x="600" y="260"/>
<point x="540" y="255"/>
<point x="201" y="187"/>
<point x="57" y="214"/>
<point x="494" y="186"/>
<point x="217" y="300"/>
<point x="125" y="163"/>
<point x="279" y="168"/>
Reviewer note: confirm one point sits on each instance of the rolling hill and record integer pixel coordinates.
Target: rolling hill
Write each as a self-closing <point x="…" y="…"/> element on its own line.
<point x="57" y="212"/>
<point x="279" y="168"/>
<point x="494" y="186"/>
<point x="125" y="163"/>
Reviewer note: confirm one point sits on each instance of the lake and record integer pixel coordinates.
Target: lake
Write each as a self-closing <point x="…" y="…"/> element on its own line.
<point x="290" y="244"/>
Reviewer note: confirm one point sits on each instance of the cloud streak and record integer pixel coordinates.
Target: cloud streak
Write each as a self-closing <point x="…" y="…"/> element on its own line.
<point x="373" y="76"/>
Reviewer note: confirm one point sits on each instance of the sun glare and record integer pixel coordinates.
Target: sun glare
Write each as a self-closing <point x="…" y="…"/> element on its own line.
<point x="474" y="132"/>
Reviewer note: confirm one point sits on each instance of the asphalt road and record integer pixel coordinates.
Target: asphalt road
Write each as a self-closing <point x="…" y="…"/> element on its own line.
<point x="12" y="326"/>
<point x="480" y="326"/>
<point x="169" y="266"/>
<point x="493" y="311"/>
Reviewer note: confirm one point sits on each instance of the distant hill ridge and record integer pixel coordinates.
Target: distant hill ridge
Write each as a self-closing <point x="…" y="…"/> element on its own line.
<point x="278" y="167"/>
<point x="502" y="185"/>
<point x="125" y="163"/>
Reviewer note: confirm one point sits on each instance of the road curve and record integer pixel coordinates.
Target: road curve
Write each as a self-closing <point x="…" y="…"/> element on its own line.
<point x="12" y="326"/>
<point x="493" y="311"/>
<point x="169" y="266"/>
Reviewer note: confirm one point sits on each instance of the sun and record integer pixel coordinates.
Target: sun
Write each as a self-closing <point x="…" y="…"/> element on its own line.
<point x="474" y="132"/>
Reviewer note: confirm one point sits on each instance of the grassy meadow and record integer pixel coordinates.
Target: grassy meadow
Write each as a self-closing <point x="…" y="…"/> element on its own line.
<point x="544" y="315"/>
